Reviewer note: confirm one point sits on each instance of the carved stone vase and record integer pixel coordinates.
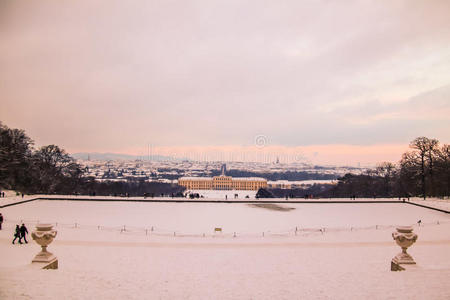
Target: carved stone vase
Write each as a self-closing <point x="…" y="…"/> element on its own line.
<point x="44" y="235"/>
<point x="404" y="237"/>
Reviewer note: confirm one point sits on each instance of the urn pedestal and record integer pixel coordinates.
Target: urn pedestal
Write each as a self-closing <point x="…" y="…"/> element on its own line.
<point x="404" y="237"/>
<point x="44" y="235"/>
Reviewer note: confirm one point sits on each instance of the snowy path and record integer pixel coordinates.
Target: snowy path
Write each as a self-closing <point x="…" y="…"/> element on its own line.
<point x="243" y="270"/>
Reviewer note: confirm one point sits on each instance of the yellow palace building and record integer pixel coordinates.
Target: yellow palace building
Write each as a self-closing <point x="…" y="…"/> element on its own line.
<point x="222" y="182"/>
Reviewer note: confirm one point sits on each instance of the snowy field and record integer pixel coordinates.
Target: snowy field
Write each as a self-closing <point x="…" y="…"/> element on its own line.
<point x="268" y="259"/>
<point x="191" y="218"/>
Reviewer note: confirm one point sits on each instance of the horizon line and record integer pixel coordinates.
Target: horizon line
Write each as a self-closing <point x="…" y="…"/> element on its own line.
<point x="330" y="154"/>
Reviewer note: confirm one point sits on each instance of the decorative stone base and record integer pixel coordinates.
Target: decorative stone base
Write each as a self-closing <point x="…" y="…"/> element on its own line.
<point x="44" y="257"/>
<point x="395" y="266"/>
<point x="52" y="265"/>
<point x="404" y="259"/>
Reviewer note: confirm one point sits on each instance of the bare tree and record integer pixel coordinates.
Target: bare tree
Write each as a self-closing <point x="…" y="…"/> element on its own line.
<point x="443" y="170"/>
<point x="54" y="166"/>
<point x="15" y="151"/>
<point x="425" y="150"/>
<point x="386" y="170"/>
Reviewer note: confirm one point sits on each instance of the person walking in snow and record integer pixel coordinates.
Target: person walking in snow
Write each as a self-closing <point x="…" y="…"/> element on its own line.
<point x="23" y="233"/>
<point x="17" y="235"/>
<point x="1" y="221"/>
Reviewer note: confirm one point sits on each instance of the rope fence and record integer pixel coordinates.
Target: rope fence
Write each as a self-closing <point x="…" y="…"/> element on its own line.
<point x="165" y="232"/>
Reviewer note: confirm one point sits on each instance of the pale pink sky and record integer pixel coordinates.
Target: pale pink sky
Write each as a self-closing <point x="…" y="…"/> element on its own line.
<point x="115" y="76"/>
<point x="348" y="155"/>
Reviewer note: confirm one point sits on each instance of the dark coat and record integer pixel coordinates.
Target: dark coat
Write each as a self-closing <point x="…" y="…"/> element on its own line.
<point x="23" y="230"/>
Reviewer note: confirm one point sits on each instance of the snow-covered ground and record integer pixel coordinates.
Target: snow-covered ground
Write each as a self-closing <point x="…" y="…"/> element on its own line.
<point x="433" y="202"/>
<point x="199" y="218"/>
<point x="350" y="259"/>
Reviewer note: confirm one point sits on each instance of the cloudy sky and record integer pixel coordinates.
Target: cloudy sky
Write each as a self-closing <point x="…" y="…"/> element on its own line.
<point x="313" y="78"/>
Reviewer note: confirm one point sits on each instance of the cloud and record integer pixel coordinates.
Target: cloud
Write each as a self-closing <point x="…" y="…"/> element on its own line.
<point x="104" y="74"/>
<point x="429" y="105"/>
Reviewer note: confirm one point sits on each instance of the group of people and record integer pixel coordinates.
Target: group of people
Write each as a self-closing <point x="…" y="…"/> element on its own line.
<point x="2" y="194"/>
<point x="20" y="233"/>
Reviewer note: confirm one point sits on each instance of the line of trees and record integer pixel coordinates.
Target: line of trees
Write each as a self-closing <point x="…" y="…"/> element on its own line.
<point x="423" y="171"/>
<point x="48" y="169"/>
<point x="51" y="170"/>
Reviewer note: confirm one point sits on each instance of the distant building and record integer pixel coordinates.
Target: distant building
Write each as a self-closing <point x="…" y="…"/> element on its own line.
<point x="222" y="182"/>
<point x="223" y="169"/>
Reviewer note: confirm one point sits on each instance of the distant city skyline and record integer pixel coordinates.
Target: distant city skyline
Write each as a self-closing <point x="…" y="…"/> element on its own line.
<point x="340" y="155"/>
<point x="316" y="81"/>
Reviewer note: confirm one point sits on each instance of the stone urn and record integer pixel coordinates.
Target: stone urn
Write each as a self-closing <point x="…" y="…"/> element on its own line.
<point x="44" y="235"/>
<point x="404" y="237"/>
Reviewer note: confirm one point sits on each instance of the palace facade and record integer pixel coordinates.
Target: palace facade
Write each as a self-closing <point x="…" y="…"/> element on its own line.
<point x="222" y="182"/>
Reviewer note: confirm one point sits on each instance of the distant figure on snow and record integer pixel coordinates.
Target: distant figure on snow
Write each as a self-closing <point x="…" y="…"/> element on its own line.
<point x="17" y="235"/>
<point x="23" y="233"/>
<point x="419" y="222"/>
<point x="1" y="221"/>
